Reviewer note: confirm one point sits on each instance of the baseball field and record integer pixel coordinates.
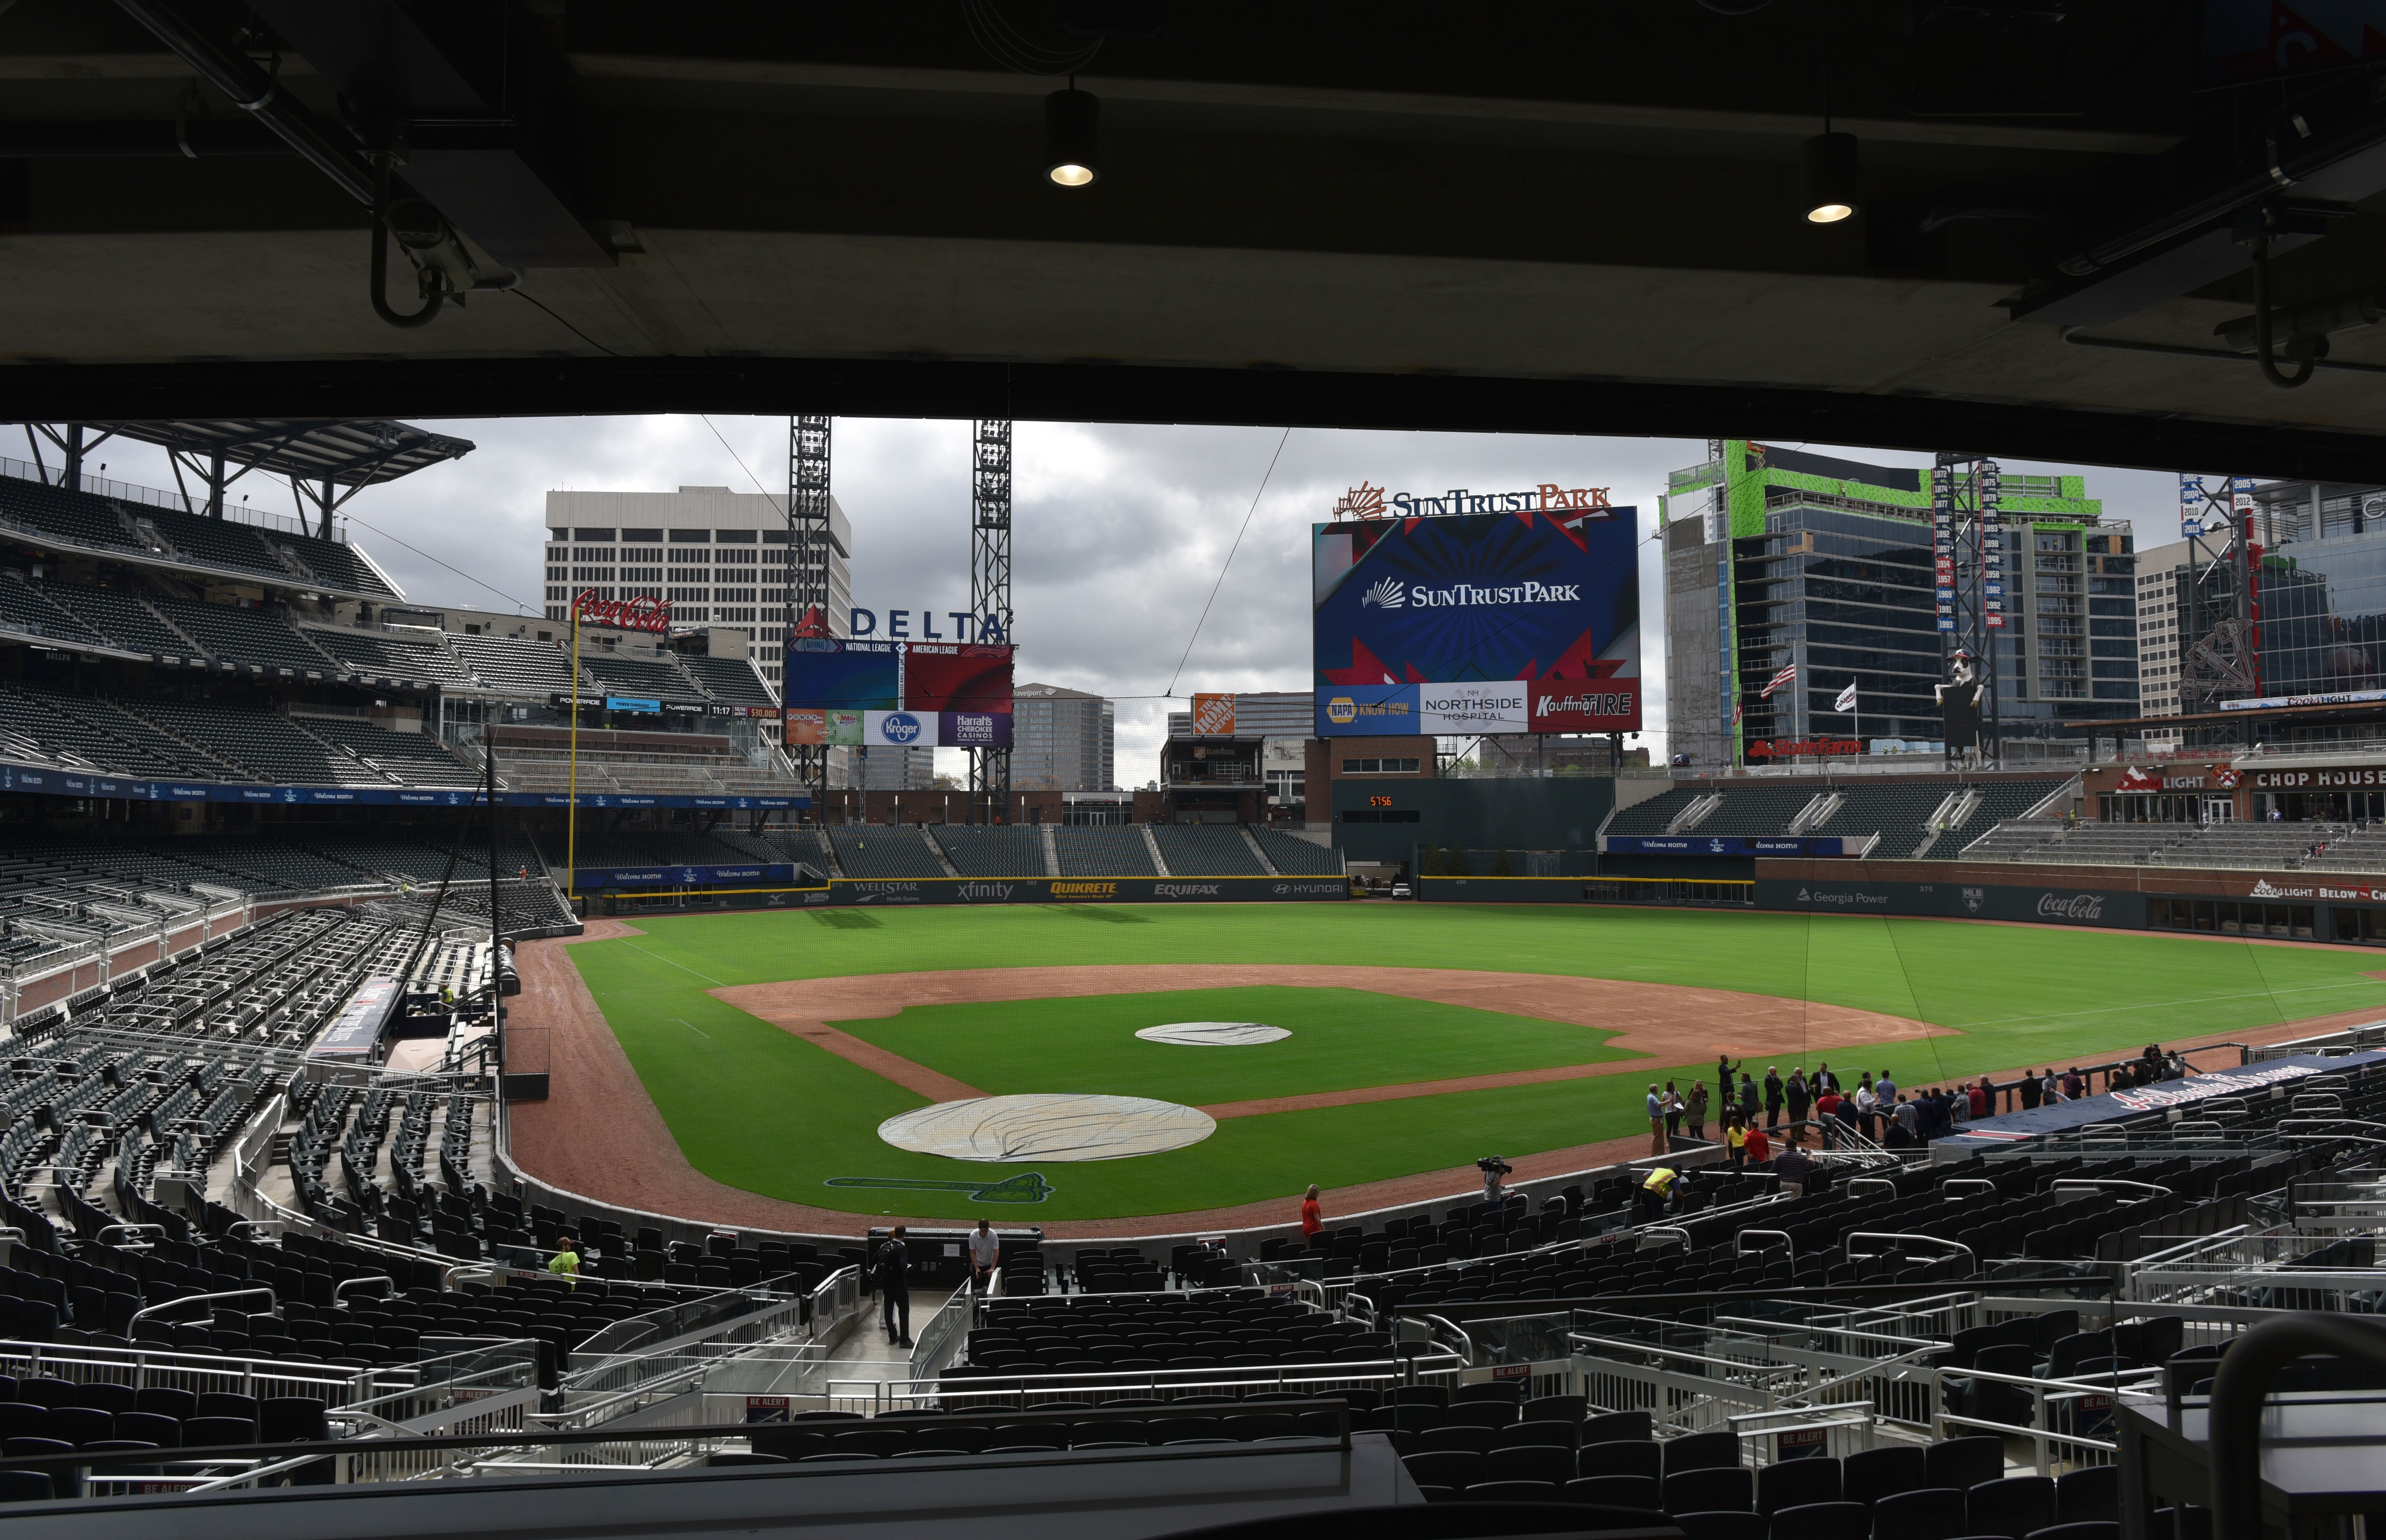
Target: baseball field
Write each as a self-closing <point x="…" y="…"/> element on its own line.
<point x="774" y="1045"/>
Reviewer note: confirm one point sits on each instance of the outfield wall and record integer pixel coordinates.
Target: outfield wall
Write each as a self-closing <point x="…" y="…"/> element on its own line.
<point x="896" y="892"/>
<point x="2292" y="906"/>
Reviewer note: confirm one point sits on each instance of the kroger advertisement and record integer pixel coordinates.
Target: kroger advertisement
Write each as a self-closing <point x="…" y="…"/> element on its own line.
<point x="898" y="695"/>
<point x="1524" y="621"/>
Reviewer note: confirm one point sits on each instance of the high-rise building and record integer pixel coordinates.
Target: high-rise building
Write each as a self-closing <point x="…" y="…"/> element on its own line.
<point x="1789" y="575"/>
<point x="2164" y="580"/>
<point x="2318" y="605"/>
<point x="718" y="556"/>
<point x="1062" y="740"/>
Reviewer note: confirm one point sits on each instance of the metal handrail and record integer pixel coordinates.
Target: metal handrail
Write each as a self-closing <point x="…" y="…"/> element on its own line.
<point x="201" y="1298"/>
<point x="1846" y="1243"/>
<point x="382" y="1278"/>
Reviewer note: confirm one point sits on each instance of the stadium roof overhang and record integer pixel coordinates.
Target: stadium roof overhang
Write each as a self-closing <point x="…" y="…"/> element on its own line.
<point x="343" y="453"/>
<point x="1539" y="218"/>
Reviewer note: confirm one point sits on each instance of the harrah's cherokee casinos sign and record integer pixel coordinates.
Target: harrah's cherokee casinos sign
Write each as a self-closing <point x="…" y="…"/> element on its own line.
<point x="640" y="614"/>
<point x="1481" y="613"/>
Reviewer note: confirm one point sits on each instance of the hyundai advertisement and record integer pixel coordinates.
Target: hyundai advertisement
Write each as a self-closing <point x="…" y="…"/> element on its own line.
<point x="1520" y="622"/>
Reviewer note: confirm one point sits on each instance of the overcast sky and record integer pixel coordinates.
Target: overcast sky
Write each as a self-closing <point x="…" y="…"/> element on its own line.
<point x="1119" y="533"/>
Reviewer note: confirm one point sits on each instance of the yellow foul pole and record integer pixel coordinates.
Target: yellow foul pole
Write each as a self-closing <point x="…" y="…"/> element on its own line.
<point x="571" y="799"/>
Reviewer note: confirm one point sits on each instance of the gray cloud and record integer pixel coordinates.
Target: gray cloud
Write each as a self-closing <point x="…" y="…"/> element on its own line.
<point x="1119" y="531"/>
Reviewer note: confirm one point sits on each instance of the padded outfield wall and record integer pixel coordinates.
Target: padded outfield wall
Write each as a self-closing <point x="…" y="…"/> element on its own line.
<point x="2299" y="905"/>
<point x="899" y="891"/>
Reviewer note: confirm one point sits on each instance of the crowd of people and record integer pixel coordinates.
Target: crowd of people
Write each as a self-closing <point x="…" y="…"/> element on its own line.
<point x="1749" y="1113"/>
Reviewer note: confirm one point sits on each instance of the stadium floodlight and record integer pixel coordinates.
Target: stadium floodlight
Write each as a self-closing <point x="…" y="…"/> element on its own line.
<point x="1827" y="167"/>
<point x="1071" y="128"/>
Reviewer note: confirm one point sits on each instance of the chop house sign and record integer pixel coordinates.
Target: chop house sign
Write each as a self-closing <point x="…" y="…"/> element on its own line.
<point x="2332" y="778"/>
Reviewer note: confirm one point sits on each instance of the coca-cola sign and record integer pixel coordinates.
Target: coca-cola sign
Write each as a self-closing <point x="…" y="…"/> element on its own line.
<point x="2077" y="906"/>
<point x="639" y="614"/>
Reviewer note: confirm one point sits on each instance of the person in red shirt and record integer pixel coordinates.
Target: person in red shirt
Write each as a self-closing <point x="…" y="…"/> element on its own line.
<point x="1760" y="1149"/>
<point x="1312" y="1220"/>
<point x="1981" y="1106"/>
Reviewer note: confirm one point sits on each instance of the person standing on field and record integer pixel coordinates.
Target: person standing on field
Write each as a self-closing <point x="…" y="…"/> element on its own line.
<point x="1656" y="1120"/>
<point x="1694" y="1111"/>
<point x="1773" y="1096"/>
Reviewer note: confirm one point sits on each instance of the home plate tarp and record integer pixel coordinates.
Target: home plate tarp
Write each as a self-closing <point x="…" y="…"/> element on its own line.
<point x="2276" y="1077"/>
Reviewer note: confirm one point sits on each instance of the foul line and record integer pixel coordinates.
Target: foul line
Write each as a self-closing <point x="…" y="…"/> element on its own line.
<point x="692" y="1027"/>
<point x="707" y="977"/>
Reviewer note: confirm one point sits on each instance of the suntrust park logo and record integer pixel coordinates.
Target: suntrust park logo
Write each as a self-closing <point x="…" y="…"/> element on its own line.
<point x="1184" y="890"/>
<point x="1387" y="593"/>
<point x="1469" y="595"/>
<point x="2079" y="906"/>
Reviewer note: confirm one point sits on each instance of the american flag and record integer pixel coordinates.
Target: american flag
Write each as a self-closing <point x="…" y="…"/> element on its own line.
<point x="1787" y="676"/>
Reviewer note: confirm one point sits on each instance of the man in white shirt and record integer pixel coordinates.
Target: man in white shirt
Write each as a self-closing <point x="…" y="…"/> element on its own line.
<point x="985" y="1255"/>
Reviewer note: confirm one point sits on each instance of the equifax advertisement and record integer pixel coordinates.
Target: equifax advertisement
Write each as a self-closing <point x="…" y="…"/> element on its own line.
<point x="1520" y="622"/>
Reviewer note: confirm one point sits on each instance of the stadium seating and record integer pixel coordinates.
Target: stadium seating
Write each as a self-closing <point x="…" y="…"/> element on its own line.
<point x="885" y="851"/>
<point x="268" y="747"/>
<point x="1652" y="815"/>
<point x="625" y="674"/>
<point x="1206" y="850"/>
<point x="24" y="608"/>
<point x="386" y="655"/>
<point x="253" y="638"/>
<point x="526" y="670"/>
<point x="1297" y="858"/>
<point x="996" y="850"/>
<point x="413" y="757"/>
<point x="79" y="518"/>
<point x="729" y="680"/>
<point x="224" y="543"/>
<point x="124" y="619"/>
<point x="55" y="727"/>
<point x="1102" y="851"/>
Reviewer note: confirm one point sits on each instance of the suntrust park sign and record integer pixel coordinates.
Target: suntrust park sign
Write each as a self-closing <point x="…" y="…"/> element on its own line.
<point x="1372" y="502"/>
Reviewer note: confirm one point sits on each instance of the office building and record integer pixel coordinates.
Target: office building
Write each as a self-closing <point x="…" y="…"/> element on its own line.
<point x="1062" y="740"/>
<point x="1778" y="559"/>
<point x="720" y="557"/>
<point x="2319" y="599"/>
<point x="2164" y="580"/>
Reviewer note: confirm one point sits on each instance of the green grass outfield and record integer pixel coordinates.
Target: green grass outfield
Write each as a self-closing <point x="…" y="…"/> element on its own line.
<point x="757" y="1108"/>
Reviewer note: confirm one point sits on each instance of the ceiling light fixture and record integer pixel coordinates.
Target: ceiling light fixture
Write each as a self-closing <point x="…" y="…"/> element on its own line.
<point x="1826" y="165"/>
<point x="1072" y="133"/>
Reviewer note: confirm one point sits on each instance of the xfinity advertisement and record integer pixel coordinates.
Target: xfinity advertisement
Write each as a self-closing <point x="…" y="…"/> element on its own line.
<point x="1519" y="621"/>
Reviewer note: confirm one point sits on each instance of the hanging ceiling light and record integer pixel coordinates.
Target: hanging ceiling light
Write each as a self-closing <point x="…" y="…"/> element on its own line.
<point x="1071" y="126"/>
<point x="1827" y="172"/>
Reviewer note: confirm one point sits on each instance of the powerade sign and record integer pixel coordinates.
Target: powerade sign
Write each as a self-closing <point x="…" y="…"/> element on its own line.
<point x="1476" y="612"/>
<point x="1722" y="845"/>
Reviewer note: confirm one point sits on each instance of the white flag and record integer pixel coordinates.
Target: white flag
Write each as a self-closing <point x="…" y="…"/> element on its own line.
<point x="1847" y="698"/>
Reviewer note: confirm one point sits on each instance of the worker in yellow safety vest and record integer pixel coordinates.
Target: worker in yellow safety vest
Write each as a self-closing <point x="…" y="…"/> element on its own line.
<point x="1655" y="1191"/>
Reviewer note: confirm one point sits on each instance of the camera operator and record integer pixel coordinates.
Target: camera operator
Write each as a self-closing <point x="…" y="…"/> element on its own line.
<point x="1494" y="1170"/>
